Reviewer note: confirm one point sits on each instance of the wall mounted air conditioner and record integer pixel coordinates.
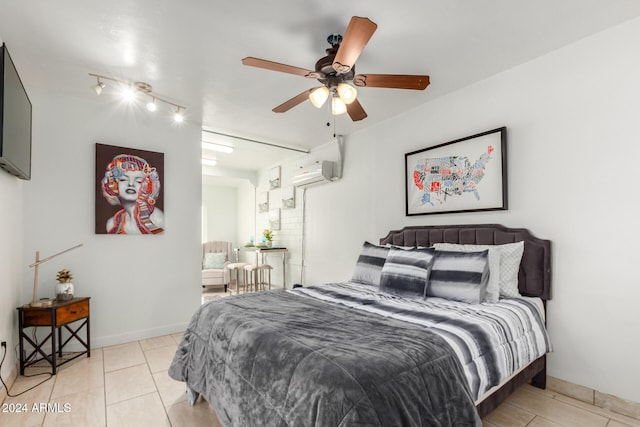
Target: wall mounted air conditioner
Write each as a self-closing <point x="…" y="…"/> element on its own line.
<point x="313" y="174"/>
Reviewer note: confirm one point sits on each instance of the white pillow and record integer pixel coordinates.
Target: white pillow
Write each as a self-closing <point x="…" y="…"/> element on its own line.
<point x="509" y="255"/>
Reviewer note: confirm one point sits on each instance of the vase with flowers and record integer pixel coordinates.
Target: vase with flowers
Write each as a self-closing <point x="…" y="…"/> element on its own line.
<point x="267" y="237"/>
<point x="64" y="287"/>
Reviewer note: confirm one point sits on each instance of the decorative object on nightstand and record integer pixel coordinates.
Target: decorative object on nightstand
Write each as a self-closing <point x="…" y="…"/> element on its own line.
<point x="45" y="302"/>
<point x="64" y="288"/>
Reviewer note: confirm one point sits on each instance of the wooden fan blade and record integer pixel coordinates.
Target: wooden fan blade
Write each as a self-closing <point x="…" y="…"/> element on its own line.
<point x="393" y="81"/>
<point x="355" y="111"/>
<point x="355" y="39"/>
<point x="298" y="99"/>
<point x="276" y="66"/>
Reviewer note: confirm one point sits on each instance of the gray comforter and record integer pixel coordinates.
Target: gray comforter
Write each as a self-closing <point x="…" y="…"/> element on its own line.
<point x="282" y="359"/>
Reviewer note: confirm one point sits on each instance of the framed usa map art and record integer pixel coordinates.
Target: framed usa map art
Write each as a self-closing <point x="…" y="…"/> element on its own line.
<point x="465" y="175"/>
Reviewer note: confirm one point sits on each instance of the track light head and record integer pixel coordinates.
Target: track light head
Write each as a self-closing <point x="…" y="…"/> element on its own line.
<point x="97" y="88"/>
<point x="178" y="117"/>
<point x="151" y="105"/>
<point x="128" y="93"/>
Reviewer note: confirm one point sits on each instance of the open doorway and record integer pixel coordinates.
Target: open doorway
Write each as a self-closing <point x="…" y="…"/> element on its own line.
<point x="234" y="172"/>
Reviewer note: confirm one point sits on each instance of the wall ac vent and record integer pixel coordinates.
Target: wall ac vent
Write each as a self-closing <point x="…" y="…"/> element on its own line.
<point x="313" y="174"/>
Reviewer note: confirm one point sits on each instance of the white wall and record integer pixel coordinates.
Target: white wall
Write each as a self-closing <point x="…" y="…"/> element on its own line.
<point x="11" y="261"/>
<point x="292" y="222"/>
<point x="288" y="234"/>
<point x="221" y="207"/>
<point x="573" y="145"/>
<point x="246" y="212"/>
<point x="140" y="286"/>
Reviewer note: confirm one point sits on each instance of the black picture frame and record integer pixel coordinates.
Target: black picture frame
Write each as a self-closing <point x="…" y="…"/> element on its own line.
<point x="465" y="175"/>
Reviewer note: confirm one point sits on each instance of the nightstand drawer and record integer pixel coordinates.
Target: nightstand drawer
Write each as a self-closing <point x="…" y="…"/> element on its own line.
<point x="37" y="317"/>
<point x="72" y="312"/>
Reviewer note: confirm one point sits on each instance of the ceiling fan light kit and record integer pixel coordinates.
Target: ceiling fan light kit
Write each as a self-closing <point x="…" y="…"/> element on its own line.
<point x="347" y="93"/>
<point x="338" y="106"/>
<point x="318" y="96"/>
<point x="130" y="90"/>
<point x="337" y="69"/>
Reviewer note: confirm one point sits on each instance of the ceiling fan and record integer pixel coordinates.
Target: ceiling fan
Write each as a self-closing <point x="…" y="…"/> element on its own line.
<point x="337" y="69"/>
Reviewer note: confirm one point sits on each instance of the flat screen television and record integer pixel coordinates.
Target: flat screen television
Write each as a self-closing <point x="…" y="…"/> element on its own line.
<point x="15" y="120"/>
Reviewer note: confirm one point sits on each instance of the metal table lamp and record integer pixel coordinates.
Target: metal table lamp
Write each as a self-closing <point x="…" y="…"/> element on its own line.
<point x="47" y="302"/>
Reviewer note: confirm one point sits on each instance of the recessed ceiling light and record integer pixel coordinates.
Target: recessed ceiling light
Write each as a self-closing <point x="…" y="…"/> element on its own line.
<point x="209" y="162"/>
<point x="216" y="147"/>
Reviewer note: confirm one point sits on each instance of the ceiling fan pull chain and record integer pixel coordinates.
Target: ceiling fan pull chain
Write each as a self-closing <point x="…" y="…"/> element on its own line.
<point x="328" y="104"/>
<point x="334" y="126"/>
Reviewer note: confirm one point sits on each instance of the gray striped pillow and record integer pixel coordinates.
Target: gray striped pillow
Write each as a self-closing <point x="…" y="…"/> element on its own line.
<point x="405" y="272"/>
<point x="459" y="276"/>
<point x="369" y="264"/>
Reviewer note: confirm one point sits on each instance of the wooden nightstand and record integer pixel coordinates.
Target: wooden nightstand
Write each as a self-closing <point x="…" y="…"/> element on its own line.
<point x="60" y="314"/>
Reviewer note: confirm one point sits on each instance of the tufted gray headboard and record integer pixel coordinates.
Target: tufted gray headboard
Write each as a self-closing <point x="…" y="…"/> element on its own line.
<point x="534" y="278"/>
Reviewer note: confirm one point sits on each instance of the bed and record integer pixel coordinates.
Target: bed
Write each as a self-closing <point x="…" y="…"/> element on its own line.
<point x="349" y="354"/>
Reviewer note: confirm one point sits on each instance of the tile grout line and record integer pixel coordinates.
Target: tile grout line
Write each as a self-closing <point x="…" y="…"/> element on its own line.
<point x="155" y="384"/>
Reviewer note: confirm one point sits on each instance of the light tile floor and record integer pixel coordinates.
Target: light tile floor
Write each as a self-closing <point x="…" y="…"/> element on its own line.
<point x="122" y="385"/>
<point x="128" y="385"/>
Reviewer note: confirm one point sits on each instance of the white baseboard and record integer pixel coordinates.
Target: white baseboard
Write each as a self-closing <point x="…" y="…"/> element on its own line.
<point x="594" y="397"/>
<point x="130" y="336"/>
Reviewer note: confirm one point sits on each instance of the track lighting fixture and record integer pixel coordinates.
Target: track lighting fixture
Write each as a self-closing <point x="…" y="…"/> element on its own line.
<point x="130" y="90"/>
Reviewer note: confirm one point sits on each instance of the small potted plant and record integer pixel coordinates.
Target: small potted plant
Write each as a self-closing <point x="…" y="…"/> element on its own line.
<point x="268" y="236"/>
<point x="64" y="288"/>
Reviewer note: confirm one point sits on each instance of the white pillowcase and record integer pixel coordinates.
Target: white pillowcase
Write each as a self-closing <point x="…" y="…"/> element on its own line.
<point x="504" y="264"/>
<point x="510" y="257"/>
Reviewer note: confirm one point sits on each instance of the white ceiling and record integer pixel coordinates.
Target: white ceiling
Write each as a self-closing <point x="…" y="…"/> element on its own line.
<point x="191" y="51"/>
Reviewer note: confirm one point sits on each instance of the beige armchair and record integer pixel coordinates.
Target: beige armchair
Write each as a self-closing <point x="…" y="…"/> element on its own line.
<point x="215" y="258"/>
